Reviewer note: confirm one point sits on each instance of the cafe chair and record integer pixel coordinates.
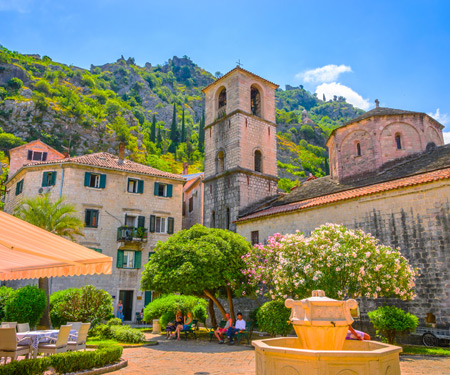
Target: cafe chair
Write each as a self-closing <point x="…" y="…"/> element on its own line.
<point x="23" y="327"/>
<point x="80" y="342"/>
<point x="9" y="324"/>
<point x="75" y="325"/>
<point x="9" y="347"/>
<point x="58" y="345"/>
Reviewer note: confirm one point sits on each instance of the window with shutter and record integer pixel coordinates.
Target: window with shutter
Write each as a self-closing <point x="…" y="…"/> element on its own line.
<point x="119" y="259"/>
<point x="30" y="155"/>
<point x="53" y="180"/>
<point x="170" y="225"/>
<point x="156" y="190"/>
<point x="140" y="187"/>
<point x="91" y="218"/>
<point x="141" y="222"/>
<point x="93" y="180"/>
<point x="45" y="179"/>
<point x="152" y="223"/>
<point x="169" y="191"/>
<point x="44" y="156"/>
<point x="147" y="297"/>
<point x="135" y="186"/>
<point x="19" y="187"/>
<point x="137" y="259"/>
<point x="102" y="181"/>
<point x="128" y="259"/>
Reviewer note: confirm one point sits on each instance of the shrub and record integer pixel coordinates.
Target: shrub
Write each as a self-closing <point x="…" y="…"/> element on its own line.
<point x="86" y="304"/>
<point x="173" y="303"/>
<point x="26" y="305"/>
<point x="166" y="318"/>
<point x="27" y="366"/>
<point x="114" y="322"/>
<point x="43" y="86"/>
<point x="254" y="316"/>
<point x="3" y="93"/>
<point x="127" y="334"/>
<point x="390" y="320"/>
<point x="5" y="294"/>
<point x="307" y="130"/>
<point x="273" y="318"/>
<point x="15" y="83"/>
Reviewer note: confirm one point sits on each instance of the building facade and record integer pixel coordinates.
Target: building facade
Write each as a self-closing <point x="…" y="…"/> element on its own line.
<point x="193" y="200"/>
<point x="391" y="178"/>
<point x="240" y="146"/>
<point x="127" y="208"/>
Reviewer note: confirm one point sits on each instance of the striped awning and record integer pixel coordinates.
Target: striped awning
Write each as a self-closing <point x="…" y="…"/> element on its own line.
<point x="28" y="252"/>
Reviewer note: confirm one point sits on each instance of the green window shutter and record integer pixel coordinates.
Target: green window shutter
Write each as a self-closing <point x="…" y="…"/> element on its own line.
<point x="169" y="190"/>
<point x="95" y="249"/>
<point x="150" y="253"/>
<point x="102" y="181"/>
<point x="140" y="186"/>
<point x="44" y="179"/>
<point x="17" y="188"/>
<point x="147" y="297"/>
<point x="156" y="188"/>
<point x="170" y="225"/>
<point x="119" y="258"/>
<point x="137" y="259"/>
<point x="141" y="222"/>
<point x="152" y="223"/>
<point x="87" y="178"/>
<point x="53" y="178"/>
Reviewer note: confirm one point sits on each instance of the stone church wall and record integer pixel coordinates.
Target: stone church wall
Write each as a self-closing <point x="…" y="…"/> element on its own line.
<point x="416" y="219"/>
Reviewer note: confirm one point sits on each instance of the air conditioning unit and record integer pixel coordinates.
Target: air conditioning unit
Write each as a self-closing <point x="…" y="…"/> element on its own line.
<point x="44" y="190"/>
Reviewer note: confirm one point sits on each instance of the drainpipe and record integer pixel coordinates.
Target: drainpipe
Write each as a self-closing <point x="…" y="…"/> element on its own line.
<point x="62" y="181"/>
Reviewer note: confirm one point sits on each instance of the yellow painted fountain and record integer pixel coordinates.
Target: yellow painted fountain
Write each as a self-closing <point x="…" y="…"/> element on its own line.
<point x="320" y="348"/>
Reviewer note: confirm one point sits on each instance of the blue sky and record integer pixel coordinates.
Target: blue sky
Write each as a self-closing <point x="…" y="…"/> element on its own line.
<point x="396" y="51"/>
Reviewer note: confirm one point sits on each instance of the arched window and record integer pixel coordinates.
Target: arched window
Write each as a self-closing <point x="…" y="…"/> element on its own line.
<point x="255" y="101"/>
<point x="220" y="162"/>
<point x="358" y="149"/>
<point x="398" y="141"/>
<point x="222" y="103"/>
<point x="258" y="161"/>
<point x="213" y="219"/>
<point x="227" y="224"/>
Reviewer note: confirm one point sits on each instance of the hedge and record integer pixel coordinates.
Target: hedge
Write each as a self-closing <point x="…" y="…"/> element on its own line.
<point x="65" y="362"/>
<point x="123" y="334"/>
<point x="26" y="305"/>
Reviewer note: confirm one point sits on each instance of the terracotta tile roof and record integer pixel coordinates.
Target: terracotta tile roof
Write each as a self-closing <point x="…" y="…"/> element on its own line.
<point x="191" y="183"/>
<point x="237" y="69"/>
<point x="353" y="193"/>
<point x="109" y="161"/>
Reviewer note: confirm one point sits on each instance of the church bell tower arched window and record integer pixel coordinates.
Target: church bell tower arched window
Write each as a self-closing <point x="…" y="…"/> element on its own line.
<point x="255" y="101"/>
<point x="258" y="161"/>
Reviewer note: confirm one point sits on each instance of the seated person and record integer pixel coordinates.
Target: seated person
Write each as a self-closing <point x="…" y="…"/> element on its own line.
<point x="353" y="334"/>
<point x="172" y="326"/>
<point x="239" y="326"/>
<point x="186" y="326"/>
<point x="220" y="331"/>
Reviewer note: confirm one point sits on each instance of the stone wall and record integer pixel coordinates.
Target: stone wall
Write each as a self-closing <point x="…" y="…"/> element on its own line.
<point x="195" y="216"/>
<point x="113" y="203"/>
<point x="416" y="219"/>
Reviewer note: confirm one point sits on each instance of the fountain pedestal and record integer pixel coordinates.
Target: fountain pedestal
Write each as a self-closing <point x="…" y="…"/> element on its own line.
<point x="321" y="325"/>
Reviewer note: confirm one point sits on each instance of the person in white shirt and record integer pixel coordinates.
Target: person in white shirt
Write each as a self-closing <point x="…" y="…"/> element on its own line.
<point x="239" y="326"/>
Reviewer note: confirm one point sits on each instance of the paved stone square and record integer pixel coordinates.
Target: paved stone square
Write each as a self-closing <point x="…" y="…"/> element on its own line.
<point x="205" y="358"/>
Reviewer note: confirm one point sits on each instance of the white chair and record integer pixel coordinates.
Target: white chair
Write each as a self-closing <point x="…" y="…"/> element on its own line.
<point x="9" y="347"/>
<point x="59" y="344"/>
<point x="80" y="343"/>
<point x="23" y="327"/>
<point x="9" y="324"/>
<point x="75" y="325"/>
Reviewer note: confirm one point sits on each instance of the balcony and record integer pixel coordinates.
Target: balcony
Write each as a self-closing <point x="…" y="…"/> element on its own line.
<point x="131" y="234"/>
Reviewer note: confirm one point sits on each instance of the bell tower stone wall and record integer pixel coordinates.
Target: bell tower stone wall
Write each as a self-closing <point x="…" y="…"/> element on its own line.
<point x="240" y="146"/>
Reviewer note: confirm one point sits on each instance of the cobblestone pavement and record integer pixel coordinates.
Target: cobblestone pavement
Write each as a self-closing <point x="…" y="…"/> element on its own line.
<point x="204" y="358"/>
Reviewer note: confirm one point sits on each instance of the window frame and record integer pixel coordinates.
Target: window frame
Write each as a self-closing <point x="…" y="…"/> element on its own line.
<point x="161" y="219"/>
<point x="31" y="153"/>
<point x="191" y="204"/>
<point x="398" y="141"/>
<point x="91" y="211"/>
<point x="135" y="185"/>
<point x="19" y="187"/>
<point x="254" y="237"/>
<point x="133" y="258"/>
<point x="358" y="149"/>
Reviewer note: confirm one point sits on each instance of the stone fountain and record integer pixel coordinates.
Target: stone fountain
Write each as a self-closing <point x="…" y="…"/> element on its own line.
<point x="321" y="325"/>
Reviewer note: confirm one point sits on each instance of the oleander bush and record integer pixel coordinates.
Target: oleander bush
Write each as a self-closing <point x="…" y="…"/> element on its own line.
<point x="87" y="304"/>
<point x="64" y="363"/>
<point x="390" y="320"/>
<point x="25" y="305"/>
<point x="273" y="318"/>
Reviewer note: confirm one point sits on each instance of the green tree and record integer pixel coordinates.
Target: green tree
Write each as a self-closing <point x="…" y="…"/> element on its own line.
<point x="26" y="305"/>
<point x="56" y="217"/>
<point x="201" y="133"/>
<point x="198" y="261"/>
<point x="183" y="128"/>
<point x="174" y="131"/>
<point x="390" y="320"/>
<point x="153" y="130"/>
<point x="159" y="139"/>
<point x="5" y="294"/>
<point x="9" y="141"/>
<point x="15" y="83"/>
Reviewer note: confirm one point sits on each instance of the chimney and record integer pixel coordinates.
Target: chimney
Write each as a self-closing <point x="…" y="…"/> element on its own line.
<point x="66" y="155"/>
<point x="185" y="168"/>
<point x="121" y="152"/>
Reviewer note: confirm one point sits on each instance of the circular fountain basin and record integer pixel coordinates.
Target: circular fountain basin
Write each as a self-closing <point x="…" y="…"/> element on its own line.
<point x="287" y="356"/>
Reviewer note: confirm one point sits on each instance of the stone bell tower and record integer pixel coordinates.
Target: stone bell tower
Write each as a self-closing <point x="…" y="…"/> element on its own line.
<point x="240" y="146"/>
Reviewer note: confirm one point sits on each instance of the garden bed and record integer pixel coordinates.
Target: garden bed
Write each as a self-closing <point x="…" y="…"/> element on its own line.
<point x="424" y="351"/>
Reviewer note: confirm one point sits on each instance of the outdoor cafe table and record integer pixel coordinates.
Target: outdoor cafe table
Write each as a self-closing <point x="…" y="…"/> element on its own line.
<point x="36" y="337"/>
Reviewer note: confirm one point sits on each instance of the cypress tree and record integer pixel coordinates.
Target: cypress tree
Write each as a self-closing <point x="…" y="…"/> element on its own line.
<point x="153" y="130"/>
<point x="174" y="131"/>
<point x="183" y="129"/>
<point x="159" y="139"/>
<point x="201" y="133"/>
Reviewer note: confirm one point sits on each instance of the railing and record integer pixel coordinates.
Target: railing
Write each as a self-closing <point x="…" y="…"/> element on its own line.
<point x="132" y="234"/>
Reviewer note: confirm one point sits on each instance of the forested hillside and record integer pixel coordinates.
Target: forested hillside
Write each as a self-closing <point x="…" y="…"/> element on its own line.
<point x="157" y="110"/>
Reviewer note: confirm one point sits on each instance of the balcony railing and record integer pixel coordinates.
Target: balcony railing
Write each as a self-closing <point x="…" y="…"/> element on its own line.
<point x="132" y="234"/>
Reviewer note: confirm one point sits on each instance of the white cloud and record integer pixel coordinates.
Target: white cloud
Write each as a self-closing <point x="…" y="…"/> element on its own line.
<point x="443" y="118"/>
<point x="446" y="137"/>
<point x="334" y="88"/>
<point x="327" y="73"/>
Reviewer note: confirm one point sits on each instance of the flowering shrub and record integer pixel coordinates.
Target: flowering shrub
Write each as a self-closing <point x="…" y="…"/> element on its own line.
<point x="342" y="262"/>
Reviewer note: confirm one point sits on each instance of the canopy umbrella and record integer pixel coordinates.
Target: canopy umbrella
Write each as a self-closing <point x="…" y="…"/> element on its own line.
<point x="28" y="252"/>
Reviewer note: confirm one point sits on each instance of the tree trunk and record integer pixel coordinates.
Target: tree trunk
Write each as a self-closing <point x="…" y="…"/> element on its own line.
<point x="212" y="312"/>
<point x="216" y="301"/>
<point x="45" y="319"/>
<point x="230" y="303"/>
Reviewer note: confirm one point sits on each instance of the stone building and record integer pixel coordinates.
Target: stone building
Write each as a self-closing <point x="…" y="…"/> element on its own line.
<point x="390" y="176"/>
<point x="127" y="208"/>
<point x="240" y="145"/>
<point x="192" y="200"/>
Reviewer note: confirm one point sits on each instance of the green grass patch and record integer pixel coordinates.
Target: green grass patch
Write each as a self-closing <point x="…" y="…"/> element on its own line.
<point x="423" y="350"/>
<point x="98" y="341"/>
